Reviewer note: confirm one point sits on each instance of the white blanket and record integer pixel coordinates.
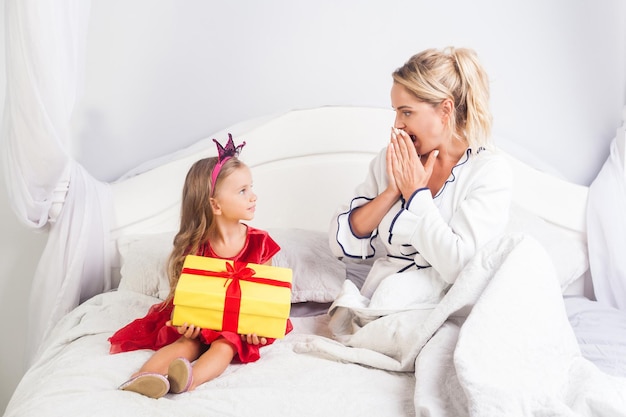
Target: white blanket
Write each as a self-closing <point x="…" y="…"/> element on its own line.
<point x="76" y="376"/>
<point x="498" y="344"/>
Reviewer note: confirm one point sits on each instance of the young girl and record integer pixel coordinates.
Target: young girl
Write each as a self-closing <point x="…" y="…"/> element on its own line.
<point x="217" y="195"/>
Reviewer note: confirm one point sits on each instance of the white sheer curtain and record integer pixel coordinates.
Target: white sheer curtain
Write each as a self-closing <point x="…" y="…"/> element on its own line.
<point x="606" y="227"/>
<point x="45" y="47"/>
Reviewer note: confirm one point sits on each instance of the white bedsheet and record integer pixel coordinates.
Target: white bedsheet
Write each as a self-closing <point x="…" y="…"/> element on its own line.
<point x="76" y="376"/>
<point x="498" y="344"/>
<point x="601" y="333"/>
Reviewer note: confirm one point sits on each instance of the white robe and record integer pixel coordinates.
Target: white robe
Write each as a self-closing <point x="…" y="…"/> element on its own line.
<point x="427" y="240"/>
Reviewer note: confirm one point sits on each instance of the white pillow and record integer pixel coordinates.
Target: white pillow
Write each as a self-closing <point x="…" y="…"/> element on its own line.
<point x="143" y="263"/>
<point x="317" y="275"/>
<point x="567" y="249"/>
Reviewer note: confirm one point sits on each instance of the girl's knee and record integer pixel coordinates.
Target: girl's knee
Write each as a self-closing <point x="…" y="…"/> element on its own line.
<point x="186" y="345"/>
<point x="223" y="345"/>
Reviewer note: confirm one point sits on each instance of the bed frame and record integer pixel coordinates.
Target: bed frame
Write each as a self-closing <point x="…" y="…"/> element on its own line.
<point x="305" y="164"/>
<point x="328" y="150"/>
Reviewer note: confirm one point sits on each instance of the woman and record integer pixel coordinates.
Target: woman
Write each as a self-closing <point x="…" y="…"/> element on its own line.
<point x="436" y="193"/>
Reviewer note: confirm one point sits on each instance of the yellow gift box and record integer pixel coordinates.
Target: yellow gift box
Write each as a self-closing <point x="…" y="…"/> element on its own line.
<point x="224" y="295"/>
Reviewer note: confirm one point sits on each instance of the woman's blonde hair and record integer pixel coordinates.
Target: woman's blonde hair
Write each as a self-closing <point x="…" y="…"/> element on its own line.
<point x="452" y="73"/>
<point x="196" y="213"/>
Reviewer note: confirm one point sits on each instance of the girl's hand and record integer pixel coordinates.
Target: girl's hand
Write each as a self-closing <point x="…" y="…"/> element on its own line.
<point x="408" y="171"/>
<point x="187" y="330"/>
<point x="253" y="339"/>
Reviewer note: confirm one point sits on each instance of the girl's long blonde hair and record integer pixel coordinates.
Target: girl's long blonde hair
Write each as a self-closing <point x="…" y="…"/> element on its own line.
<point x="196" y="214"/>
<point x="452" y="73"/>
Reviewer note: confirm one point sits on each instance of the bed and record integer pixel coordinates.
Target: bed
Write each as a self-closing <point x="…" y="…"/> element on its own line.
<point x="521" y="334"/>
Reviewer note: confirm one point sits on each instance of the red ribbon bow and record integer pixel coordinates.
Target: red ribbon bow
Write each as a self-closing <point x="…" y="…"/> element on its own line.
<point x="236" y="271"/>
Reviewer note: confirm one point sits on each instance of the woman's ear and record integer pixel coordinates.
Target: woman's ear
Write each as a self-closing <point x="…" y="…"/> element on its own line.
<point x="446" y="107"/>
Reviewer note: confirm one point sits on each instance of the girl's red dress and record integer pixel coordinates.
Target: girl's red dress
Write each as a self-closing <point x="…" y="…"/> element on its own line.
<point x="151" y="332"/>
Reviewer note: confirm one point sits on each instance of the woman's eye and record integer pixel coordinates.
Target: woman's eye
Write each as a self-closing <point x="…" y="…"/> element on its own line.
<point x="406" y="113"/>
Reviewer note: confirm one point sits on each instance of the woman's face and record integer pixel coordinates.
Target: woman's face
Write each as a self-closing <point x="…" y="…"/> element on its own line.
<point x="424" y="123"/>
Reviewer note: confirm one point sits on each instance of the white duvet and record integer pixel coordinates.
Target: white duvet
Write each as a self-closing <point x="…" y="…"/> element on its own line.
<point x="499" y="344"/>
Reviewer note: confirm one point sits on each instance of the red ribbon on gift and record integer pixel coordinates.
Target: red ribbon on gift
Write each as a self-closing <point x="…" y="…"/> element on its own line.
<point x="235" y="272"/>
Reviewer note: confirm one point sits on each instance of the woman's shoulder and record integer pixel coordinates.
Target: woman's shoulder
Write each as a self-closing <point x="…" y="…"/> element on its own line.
<point x="491" y="158"/>
<point x="492" y="165"/>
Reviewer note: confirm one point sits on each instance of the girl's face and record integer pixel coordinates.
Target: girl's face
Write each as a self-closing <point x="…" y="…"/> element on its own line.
<point x="424" y="123"/>
<point x="234" y="197"/>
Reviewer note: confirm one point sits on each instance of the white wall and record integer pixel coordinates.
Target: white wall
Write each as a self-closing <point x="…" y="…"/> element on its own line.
<point x="163" y="73"/>
<point x="165" y="77"/>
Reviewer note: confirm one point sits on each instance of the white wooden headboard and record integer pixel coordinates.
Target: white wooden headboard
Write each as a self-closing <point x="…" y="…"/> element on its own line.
<point x="305" y="163"/>
<point x="302" y="162"/>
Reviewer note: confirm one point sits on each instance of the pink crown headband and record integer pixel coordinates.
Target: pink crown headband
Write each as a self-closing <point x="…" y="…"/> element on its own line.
<point x="224" y="153"/>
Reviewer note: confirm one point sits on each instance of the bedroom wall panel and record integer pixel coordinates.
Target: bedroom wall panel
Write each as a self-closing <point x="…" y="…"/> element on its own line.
<point x="556" y="69"/>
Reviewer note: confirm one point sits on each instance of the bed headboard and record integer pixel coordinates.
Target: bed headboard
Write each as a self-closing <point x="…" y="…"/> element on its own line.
<point x="324" y="150"/>
<point x="305" y="163"/>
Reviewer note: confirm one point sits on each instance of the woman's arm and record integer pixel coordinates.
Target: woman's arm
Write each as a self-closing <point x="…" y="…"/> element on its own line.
<point x="365" y="219"/>
<point x="480" y="216"/>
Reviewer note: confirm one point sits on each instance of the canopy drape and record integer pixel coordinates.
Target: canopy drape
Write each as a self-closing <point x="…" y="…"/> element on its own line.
<point x="606" y="228"/>
<point x="48" y="189"/>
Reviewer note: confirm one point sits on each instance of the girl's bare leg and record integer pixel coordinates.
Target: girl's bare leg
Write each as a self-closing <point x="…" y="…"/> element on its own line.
<point x="184" y="347"/>
<point x="213" y="362"/>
